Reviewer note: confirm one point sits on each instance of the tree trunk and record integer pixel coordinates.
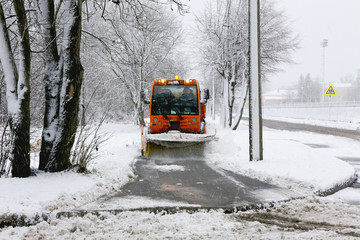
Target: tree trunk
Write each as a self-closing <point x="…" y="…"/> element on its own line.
<point x="226" y="109"/>
<point x="232" y="85"/>
<point x="63" y="79"/>
<point x="52" y="76"/>
<point x="244" y="94"/>
<point x="17" y="90"/>
<point x="229" y="95"/>
<point x="72" y="78"/>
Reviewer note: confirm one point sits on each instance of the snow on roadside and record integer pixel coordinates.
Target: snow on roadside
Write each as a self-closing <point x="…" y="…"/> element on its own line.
<point x="30" y="195"/>
<point x="286" y="157"/>
<point x="322" y="220"/>
<point x="68" y="190"/>
<point x="349" y="195"/>
<point x="113" y="166"/>
<point x="134" y="202"/>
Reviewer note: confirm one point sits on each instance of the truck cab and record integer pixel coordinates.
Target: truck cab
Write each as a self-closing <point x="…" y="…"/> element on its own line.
<point x="175" y="105"/>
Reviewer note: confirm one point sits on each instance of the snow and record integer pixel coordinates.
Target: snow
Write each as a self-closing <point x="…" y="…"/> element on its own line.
<point x="285" y="157"/>
<point x="169" y="168"/>
<point x="67" y="190"/>
<point x="350" y="195"/>
<point x="200" y="225"/>
<point x="289" y="160"/>
<point x="29" y="195"/>
<point x="135" y="202"/>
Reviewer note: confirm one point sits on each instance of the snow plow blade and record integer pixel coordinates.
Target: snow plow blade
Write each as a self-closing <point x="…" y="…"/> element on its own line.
<point x="175" y="144"/>
<point x="175" y="139"/>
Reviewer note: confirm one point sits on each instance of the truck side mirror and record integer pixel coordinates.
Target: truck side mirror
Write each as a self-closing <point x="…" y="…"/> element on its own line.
<point x="206" y="95"/>
<point x="143" y="97"/>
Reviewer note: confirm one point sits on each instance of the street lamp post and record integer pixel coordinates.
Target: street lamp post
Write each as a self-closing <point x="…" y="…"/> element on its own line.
<point x="323" y="44"/>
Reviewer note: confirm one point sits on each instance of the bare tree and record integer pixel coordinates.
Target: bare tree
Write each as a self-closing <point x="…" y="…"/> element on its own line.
<point x="17" y="79"/>
<point x="63" y="78"/>
<point x="144" y="50"/>
<point x="137" y="48"/>
<point x="224" y="30"/>
<point x="63" y="75"/>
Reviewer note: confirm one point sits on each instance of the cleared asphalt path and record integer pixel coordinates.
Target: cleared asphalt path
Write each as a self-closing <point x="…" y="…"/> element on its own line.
<point x="192" y="181"/>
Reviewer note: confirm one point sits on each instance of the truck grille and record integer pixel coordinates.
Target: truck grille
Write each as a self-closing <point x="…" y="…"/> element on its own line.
<point x="174" y="125"/>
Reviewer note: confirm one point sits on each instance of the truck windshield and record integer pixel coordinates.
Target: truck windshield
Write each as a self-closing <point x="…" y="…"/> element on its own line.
<point x="175" y="100"/>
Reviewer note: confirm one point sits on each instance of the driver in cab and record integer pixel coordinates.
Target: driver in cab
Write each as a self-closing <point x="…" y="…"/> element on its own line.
<point x="187" y="96"/>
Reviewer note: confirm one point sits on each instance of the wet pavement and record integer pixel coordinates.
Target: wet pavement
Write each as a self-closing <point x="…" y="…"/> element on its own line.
<point x="191" y="182"/>
<point x="194" y="182"/>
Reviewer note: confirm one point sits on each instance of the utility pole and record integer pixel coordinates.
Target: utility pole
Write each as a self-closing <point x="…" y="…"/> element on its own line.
<point x="255" y="111"/>
<point x="323" y="44"/>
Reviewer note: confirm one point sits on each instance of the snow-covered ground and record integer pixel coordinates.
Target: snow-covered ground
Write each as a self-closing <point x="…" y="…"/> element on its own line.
<point x="341" y="222"/>
<point x="289" y="160"/>
<point x="287" y="155"/>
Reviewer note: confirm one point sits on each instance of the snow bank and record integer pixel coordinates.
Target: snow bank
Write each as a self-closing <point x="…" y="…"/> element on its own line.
<point x="68" y="190"/>
<point x="292" y="156"/>
<point x="320" y="219"/>
<point x="30" y="195"/>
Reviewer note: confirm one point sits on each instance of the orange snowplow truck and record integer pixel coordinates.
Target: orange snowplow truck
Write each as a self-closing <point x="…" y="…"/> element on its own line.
<point x="175" y="105"/>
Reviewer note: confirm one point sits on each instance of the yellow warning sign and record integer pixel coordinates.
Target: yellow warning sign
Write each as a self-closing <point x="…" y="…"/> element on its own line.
<point x="330" y="90"/>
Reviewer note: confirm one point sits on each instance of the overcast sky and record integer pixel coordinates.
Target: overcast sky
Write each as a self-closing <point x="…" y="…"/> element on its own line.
<point x="338" y="21"/>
